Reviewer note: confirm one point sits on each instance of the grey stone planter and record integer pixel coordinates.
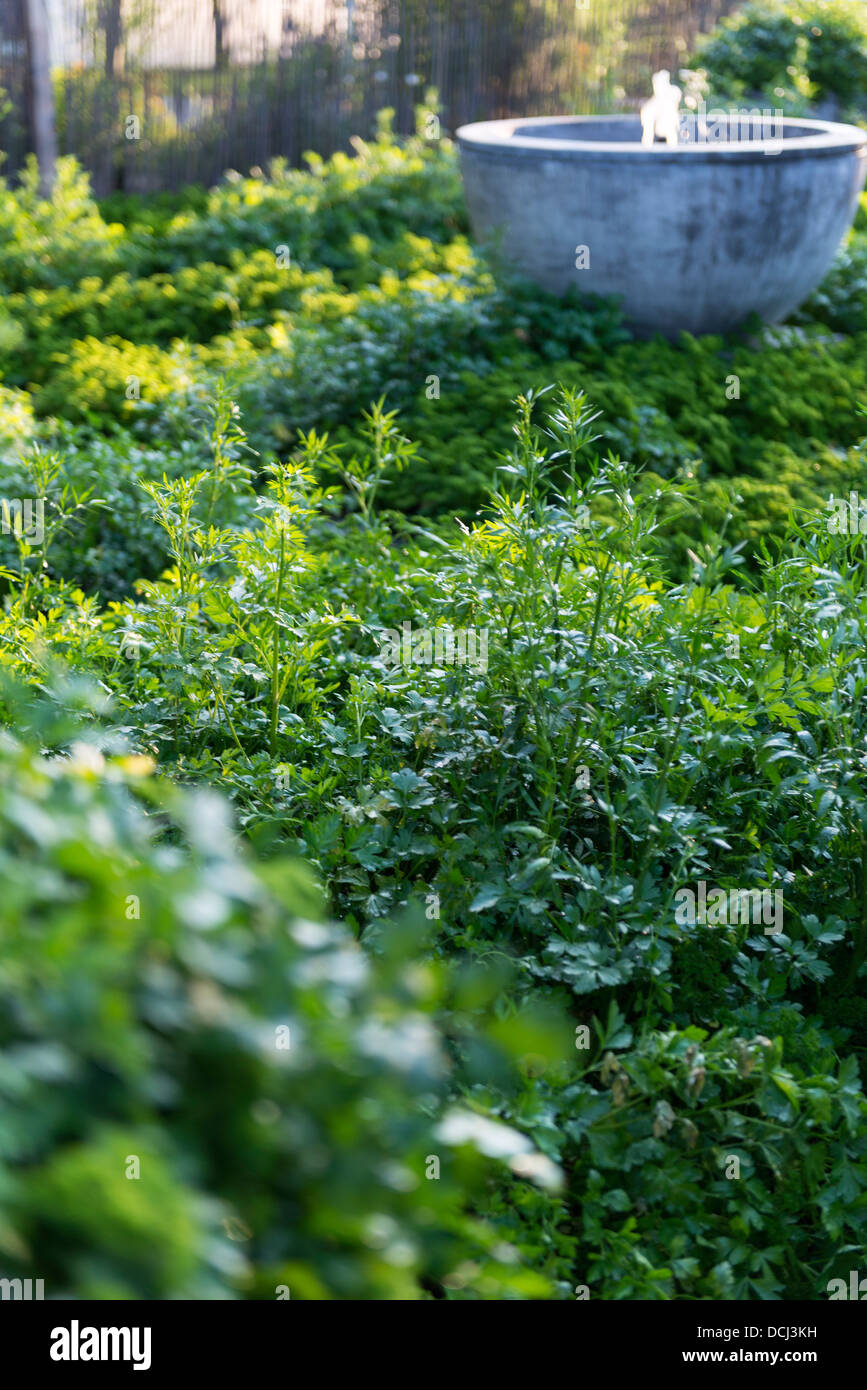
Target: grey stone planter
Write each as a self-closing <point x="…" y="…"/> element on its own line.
<point x="695" y="236"/>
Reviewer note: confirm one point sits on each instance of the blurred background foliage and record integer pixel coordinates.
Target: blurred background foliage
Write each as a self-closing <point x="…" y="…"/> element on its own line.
<point x="217" y="83"/>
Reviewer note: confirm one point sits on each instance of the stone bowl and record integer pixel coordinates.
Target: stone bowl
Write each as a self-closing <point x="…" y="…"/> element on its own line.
<point x="695" y="236"/>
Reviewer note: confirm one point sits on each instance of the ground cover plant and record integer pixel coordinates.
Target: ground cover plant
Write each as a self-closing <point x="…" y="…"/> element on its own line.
<point x="432" y="807"/>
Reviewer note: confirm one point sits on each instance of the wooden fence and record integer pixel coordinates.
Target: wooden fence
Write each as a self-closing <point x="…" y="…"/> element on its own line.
<point x="156" y="93"/>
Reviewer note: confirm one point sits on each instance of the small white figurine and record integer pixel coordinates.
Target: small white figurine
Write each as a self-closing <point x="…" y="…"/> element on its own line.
<point x="659" y="115"/>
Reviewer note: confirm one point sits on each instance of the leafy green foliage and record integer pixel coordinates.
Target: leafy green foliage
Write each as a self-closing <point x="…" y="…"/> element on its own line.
<point x="252" y="664"/>
<point x="208" y="1093"/>
<point x="671" y="692"/>
<point x="49" y="242"/>
<point x="789" y="50"/>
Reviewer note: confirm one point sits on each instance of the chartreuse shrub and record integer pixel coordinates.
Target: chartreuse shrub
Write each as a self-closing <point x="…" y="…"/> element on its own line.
<point x="623" y="737"/>
<point x="17" y="427"/>
<point x="49" y="242"/>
